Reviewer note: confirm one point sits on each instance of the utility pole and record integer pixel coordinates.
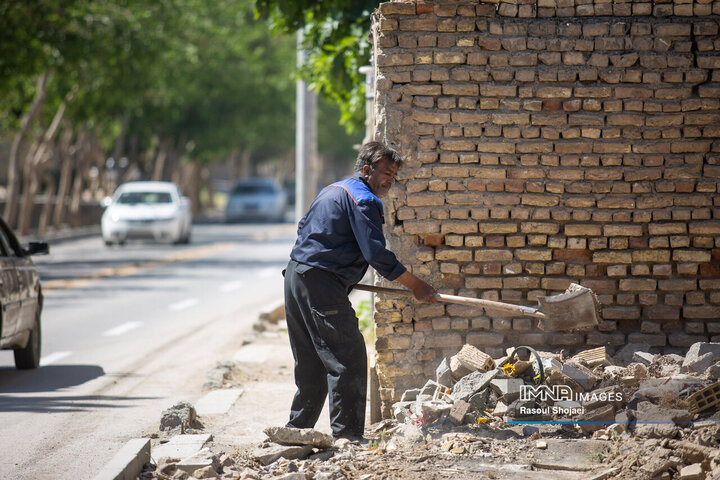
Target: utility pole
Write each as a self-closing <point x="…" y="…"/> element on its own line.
<point x="306" y="169"/>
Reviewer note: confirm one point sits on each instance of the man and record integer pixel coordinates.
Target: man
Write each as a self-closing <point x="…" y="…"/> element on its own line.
<point x="339" y="236"/>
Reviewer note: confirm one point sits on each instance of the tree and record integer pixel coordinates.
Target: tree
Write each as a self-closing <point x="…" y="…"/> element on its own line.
<point x="336" y="33"/>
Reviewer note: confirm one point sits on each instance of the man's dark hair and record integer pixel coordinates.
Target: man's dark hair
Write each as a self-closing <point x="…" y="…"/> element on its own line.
<point x="373" y="152"/>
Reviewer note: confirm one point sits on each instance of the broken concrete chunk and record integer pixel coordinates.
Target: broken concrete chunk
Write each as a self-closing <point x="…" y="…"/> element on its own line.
<point x="433" y="411"/>
<point x="699" y="349"/>
<point x="410" y="395"/>
<point x="401" y="411"/>
<point x="472" y="383"/>
<point x="298" y="436"/>
<point x="625" y="355"/>
<point x="268" y="453"/>
<point x="603" y="416"/>
<point x="701" y="363"/>
<point x="654" y="421"/>
<point x="202" y="459"/>
<point x="405" y="437"/>
<point x="501" y="409"/>
<point x="692" y="472"/>
<point x="638" y="370"/>
<point x="643" y="357"/>
<point x="181" y="417"/>
<point x="205" y="472"/>
<point x="443" y="374"/>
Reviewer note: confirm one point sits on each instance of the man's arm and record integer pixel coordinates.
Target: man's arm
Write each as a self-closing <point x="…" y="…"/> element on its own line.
<point x="422" y="291"/>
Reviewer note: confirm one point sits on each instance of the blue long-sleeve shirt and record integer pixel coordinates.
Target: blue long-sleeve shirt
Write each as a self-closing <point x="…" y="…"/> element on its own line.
<point x="342" y="233"/>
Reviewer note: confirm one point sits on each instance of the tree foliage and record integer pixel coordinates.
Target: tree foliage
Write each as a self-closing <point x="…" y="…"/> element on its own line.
<point x="336" y="33"/>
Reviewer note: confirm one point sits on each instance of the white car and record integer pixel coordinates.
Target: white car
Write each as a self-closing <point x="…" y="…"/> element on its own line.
<point x="146" y="211"/>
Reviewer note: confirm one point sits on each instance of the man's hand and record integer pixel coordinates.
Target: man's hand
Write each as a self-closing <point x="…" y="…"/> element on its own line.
<point x="422" y="291"/>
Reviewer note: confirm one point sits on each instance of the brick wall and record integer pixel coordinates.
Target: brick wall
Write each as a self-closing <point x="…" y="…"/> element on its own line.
<point x="550" y="142"/>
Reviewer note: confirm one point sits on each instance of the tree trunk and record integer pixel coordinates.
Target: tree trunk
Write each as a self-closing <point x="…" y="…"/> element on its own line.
<point x="49" y="181"/>
<point x="11" y="201"/>
<point x="82" y="156"/>
<point x="245" y="170"/>
<point x="160" y="160"/>
<point x="32" y="165"/>
<point x="67" y="162"/>
<point x="112" y="169"/>
<point x="206" y="176"/>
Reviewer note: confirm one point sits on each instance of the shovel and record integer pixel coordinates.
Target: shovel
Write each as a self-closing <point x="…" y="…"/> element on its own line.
<point x="576" y="309"/>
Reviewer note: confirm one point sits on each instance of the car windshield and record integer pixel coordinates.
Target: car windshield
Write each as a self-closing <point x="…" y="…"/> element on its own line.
<point x="132" y="198"/>
<point x="252" y="189"/>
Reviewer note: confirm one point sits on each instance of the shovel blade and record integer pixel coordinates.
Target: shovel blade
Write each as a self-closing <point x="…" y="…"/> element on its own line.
<point x="574" y="310"/>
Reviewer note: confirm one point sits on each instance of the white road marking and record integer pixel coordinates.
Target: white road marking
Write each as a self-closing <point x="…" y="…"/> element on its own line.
<point x="231" y="287"/>
<point x="190" y="302"/>
<point x="53" y="357"/>
<point x="122" y="328"/>
<point x="267" y="272"/>
<point x="217" y="401"/>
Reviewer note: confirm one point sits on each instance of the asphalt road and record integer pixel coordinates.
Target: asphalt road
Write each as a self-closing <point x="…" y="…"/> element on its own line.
<point x="128" y="332"/>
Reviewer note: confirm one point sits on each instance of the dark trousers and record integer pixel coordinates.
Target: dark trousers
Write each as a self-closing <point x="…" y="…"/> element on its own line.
<point x="329" y="351"/>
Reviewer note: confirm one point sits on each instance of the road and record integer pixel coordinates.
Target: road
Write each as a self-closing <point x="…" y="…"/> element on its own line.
<point x="128" y="332"/>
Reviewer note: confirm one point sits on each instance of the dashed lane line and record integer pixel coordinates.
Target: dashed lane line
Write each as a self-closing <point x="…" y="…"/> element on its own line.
<point x="122" y="328"/>
<point x="183" y="305"/>
<point x="231" y="287"/>
<point x="53" y="357"/>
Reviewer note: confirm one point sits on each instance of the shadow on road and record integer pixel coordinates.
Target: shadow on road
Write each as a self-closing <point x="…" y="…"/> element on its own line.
<point x="47" y="379"/>
<point x="52" y="378"/>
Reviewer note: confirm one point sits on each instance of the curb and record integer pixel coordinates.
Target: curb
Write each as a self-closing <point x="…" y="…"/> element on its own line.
<point x="128" y="462"/>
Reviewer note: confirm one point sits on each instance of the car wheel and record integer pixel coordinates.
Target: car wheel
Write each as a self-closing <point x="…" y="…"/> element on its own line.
<point x="29" y="357"/>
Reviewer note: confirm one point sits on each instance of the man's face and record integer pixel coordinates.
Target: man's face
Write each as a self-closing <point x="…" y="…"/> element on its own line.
<point x="381" y="176"/>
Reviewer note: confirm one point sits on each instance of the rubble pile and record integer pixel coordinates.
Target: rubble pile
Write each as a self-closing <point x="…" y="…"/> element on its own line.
<point x="530" y="414"/>
<point x="643" y="401"/>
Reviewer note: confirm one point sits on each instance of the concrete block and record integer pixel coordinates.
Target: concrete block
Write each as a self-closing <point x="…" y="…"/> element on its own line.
<point x="458" y="412"/>
<point x="128" y="462"/>
<point x="580" y="375"/>
<point x="509" y="388"/>
<point x="469" y="384"/>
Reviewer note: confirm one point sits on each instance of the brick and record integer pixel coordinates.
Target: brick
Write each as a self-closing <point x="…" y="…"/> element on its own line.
<point x="622" y="230"/>
<point x="431" y="117"/>
<point x="638" y="285"/>
<point x="612" y="257"/>
<point x="444" y="340"/>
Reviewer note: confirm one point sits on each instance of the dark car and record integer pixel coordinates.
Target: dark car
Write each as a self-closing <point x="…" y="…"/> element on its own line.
<point x="260" y="199"/>
<point x="21" y="298"/>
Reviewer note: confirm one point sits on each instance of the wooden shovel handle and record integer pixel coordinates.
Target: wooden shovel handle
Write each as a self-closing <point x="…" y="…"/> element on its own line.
<point x="473" y="302"/>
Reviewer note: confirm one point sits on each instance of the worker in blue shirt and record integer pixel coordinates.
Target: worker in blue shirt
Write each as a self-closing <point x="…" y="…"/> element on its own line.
<point x="337" y="239"/>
